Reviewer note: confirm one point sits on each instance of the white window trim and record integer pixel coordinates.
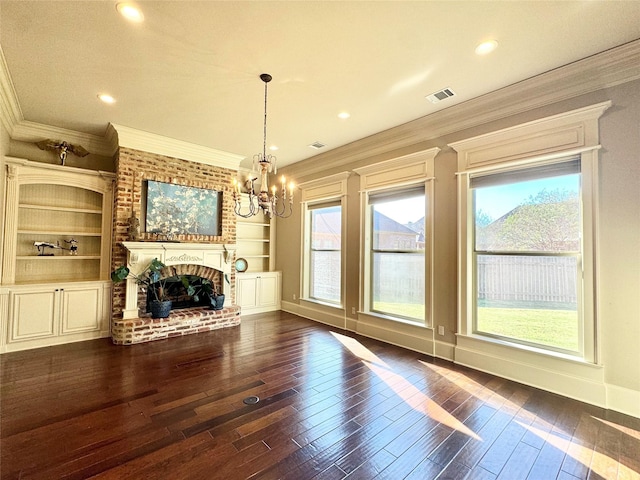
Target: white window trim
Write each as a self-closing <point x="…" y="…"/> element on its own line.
<point x="327" y="189"/>
<point x="542" y="141"/>
<point x="409" y="170"/>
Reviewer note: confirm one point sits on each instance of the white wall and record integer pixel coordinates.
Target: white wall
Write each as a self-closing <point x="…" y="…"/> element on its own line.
<point x="619" y="248"/>
<point x="620" y="237"/>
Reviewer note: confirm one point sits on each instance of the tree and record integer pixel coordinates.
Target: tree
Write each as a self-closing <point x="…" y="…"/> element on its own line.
<point x="548" y="221"/>
<point x="483" y="219"/>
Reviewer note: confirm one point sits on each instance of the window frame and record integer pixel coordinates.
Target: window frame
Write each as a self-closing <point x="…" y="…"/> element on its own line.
<point x="409" y="171"/>
<point x="309" y="278"/>
<point x="327" y="190"/>
<point x="540" y="142"/>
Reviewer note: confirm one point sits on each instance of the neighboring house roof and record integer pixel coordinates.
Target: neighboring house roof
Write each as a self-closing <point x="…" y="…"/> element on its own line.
<point x="328" y="222"/>
<point x="382" y="223"/>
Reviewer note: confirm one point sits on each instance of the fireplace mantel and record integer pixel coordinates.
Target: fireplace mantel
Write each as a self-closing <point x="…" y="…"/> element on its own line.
<point x="139" y="254"/>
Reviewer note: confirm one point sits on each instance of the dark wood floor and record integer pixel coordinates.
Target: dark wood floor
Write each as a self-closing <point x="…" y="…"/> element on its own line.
<point x="332" y="405"/>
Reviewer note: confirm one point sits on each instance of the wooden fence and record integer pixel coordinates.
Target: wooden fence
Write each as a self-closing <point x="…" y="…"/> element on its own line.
<point x="527" y="279"/>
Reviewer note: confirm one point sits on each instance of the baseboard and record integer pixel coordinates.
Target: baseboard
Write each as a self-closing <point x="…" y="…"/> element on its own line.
<point x="575" y="380"/>
<point x="412" y="338"/>
<point x="405" y="339"/>
<point x="623" y="400"/>
<point x="445" y="350"/>
<point x="317" y="314"/>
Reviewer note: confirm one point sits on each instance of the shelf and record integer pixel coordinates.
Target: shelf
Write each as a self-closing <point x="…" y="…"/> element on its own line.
<point x="252" y="224"/>
<point x="256" y="256"/>
<point x="48" y="280"/>
<point x="257" y="240"/>
<point x="66" y="234"/>
<point x="60" y="209"/>
<point x="58" y="257"/>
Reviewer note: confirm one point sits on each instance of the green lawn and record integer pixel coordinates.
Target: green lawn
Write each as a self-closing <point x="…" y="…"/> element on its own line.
<point x="414" y="311"/>
<point x="556" y="328"/>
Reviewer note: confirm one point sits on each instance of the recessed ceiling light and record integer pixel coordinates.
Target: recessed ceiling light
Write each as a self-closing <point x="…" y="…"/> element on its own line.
<point x="273" y="148"/>
<point x="486" y="47"/>
<point x="106" y="98"/>
<point x="130" y="11"/>
<point x="344" y="115"/>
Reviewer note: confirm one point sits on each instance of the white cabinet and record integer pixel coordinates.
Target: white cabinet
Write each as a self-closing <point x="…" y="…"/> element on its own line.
<point x="33" y="313"/>
<point x="42" y="315"/>
<point x="258" y="292"/>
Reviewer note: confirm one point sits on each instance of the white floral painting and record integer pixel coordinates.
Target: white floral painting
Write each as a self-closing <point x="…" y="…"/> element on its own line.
<point x="178" y="209"/>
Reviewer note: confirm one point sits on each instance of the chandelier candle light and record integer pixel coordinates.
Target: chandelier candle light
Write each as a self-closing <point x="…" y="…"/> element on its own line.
<point x="270" y="204"/>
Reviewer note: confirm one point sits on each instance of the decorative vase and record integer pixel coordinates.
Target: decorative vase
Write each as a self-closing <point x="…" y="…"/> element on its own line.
<point x="217" y="301"/>
<point x="160" y="309"/>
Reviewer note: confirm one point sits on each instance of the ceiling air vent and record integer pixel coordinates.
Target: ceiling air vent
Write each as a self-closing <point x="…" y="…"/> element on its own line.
<point x="441" y="95"/>
<point x="317" y="145"/>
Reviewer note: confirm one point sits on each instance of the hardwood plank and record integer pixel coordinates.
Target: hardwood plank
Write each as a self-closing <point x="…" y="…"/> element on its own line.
<point x="174" y="409"/>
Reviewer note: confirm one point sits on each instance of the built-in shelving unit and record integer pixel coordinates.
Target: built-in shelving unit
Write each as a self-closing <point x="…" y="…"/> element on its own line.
<point x="56" y="293"/>
<point x="255" y="241"/>
<point x="258" y="289"/>
<point x="57" y="214"/>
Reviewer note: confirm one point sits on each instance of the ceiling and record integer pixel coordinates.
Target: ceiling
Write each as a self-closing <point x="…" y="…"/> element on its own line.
<point x="190" y="71"/>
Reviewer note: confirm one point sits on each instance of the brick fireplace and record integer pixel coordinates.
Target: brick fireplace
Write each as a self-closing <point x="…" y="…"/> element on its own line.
<point x="206" y="169"/>
<point x="204" y="260"/>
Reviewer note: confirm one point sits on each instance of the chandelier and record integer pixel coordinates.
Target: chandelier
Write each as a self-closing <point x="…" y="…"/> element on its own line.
<point x="274" y="203"/>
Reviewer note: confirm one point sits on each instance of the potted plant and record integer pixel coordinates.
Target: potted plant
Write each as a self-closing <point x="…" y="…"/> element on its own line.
<point x="206" y="288"/>
<point x="151" y="279"/>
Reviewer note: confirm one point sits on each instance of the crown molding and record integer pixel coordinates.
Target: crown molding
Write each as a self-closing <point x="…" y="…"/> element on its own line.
<point x="604" y="70"/>
<point x="26" y="131"/>
<point x="158" y="144"/>
<point x="607" y="69"/>
<point x="10" y="112"/>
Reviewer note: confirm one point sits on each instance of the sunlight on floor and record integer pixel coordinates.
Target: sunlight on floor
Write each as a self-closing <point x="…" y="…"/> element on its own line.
<point x="411" y="395"/>
<point x="626" y="430"/>
<point x="358" y="349"/>
<point x="419" y="401"/>
<point x="599" y="463"/>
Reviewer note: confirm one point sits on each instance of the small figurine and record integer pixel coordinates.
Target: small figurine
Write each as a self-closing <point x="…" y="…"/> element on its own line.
<point x="42" y="245"/>
<point x="73" y="246"/>
<point x="134" y="228"/>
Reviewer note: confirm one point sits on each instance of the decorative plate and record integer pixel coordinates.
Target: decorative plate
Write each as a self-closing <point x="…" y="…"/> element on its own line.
<point x="241" y="265"/>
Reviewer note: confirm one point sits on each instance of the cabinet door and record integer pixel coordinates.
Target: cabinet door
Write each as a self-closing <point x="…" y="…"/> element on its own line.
<point x="247" y="288"/>
<point x="268" y="290"/>
<point x="81" y="309"/>
<point x="33" y="314"/>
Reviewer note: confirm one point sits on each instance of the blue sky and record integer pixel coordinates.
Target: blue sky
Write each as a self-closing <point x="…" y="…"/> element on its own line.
<point x="496" y="201"/>
<point x="403" y="211"/>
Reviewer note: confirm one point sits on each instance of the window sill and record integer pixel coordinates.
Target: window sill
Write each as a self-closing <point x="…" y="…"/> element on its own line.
<point x="324" y="304"/>
<point x="389" y="318"/>
<point x="530" y="349"/>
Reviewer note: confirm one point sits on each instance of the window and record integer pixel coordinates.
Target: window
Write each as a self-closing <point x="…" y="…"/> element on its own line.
<point x="323" y="214"/>
<point x="527" y="255"/>
<point x="397" y="241"/>
<point x="325" y="221"/>
<point x="527" y="249"/>
<point x="397" y="253"/>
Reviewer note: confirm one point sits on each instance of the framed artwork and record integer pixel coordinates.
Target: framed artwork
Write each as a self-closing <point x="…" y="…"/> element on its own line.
<point x="178" y="209"/>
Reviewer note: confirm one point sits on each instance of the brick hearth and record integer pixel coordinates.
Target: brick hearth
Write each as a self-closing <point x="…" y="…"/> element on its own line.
<point x="180" y="322"/>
